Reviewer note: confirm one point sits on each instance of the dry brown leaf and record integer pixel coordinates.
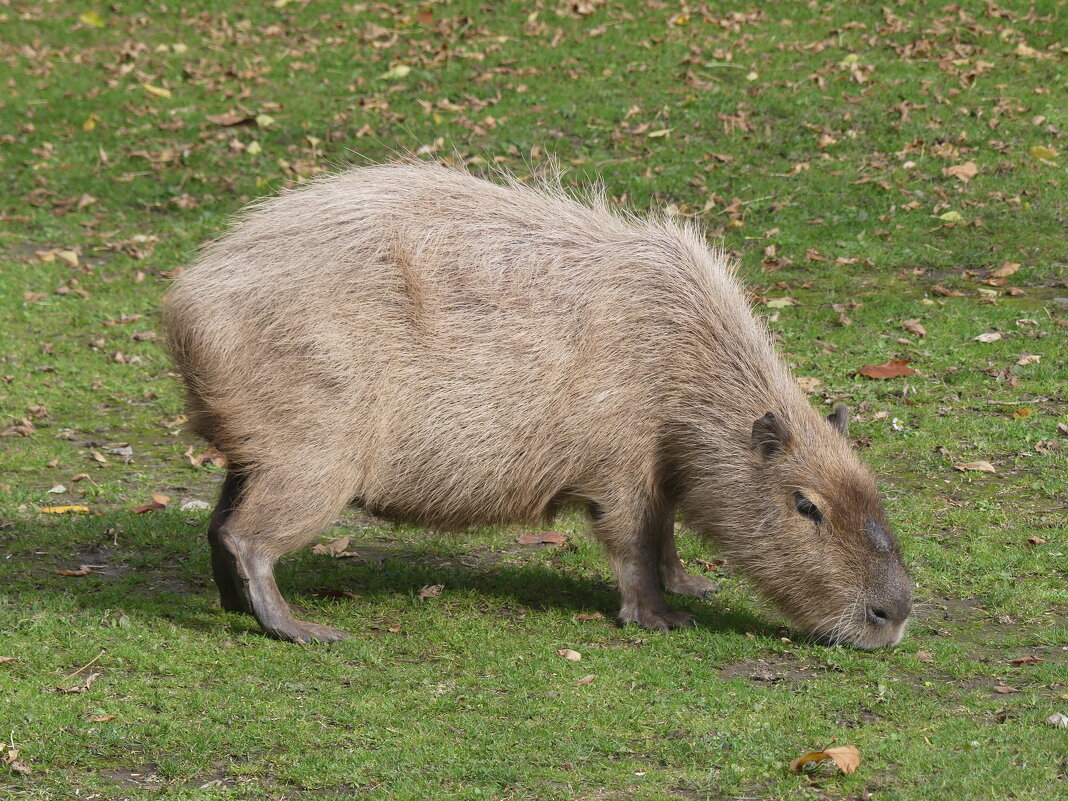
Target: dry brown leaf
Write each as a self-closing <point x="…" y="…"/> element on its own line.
<point x="1004" y="689"/>
<point x="924" y="656"/>
<point x="568" y="654"/>
<point x="430" y="591"/>
<point x="11" y="759"/>
<point x="337" y="548"/>
<point x="894" y="368"/>
<point x="582" y="616"/>
<point x="808" y="383"/>
<point x="945" y="292"/>
<point x="230" y="119"/>
<point x="84" y="570"/>
<point x="585" y="680"/>
<point x="80" y="688"/>
<point x="7" y="659"/>
<point x="1005" y="270"/>
<point x="542" y="538"/>
<point x="1028" y="358"/>
<point x="914" y="327"/>
<point x="965" y="172"/>
<point x="1026" y="660"/>
<point x="100" y="718"/>
<point x="846" y="757"/>
<point x="155" y="506"/>
<point x="988" y="337"/>
<point x="976" y="467"/>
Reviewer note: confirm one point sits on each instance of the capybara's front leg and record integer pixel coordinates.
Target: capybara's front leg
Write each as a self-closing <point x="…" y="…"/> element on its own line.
<point x="633" y="551"/>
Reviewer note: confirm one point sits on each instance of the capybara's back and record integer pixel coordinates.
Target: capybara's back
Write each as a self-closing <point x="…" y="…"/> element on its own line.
<point x="449" y="351"/>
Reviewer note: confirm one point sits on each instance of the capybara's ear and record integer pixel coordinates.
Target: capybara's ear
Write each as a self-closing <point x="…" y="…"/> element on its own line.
<point x="839" y="418"/>
<point x="769" y="436"/>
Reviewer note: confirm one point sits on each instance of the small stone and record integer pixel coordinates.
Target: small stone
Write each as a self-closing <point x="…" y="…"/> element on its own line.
<point x="193" y="504"/>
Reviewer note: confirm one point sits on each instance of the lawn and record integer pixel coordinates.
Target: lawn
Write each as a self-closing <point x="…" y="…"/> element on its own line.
<point x="893" y="182"/>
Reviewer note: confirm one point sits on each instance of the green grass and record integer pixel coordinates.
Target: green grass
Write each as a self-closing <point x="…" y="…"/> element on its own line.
<point x="774" y="125"/>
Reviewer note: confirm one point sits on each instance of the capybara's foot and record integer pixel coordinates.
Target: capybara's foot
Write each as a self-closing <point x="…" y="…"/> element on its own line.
<point x="303" y="632"/>
<point x="662" y="620"/>
<point x="683" y="583"/>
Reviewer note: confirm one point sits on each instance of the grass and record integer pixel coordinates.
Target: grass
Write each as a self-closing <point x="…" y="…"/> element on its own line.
<point x="812" y="138"/>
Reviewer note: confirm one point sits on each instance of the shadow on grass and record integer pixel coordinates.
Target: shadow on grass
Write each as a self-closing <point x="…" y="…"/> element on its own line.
<point x="161" y="569"/>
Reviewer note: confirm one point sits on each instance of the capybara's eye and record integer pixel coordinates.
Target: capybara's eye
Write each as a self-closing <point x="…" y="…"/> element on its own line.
<point x="807" y="508"/>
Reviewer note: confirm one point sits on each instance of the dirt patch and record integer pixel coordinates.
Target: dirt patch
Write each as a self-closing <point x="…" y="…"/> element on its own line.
<point x="774" y="670"/>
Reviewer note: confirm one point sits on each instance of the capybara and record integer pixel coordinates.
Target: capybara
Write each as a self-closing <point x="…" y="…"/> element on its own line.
<point x="448" y="351"/>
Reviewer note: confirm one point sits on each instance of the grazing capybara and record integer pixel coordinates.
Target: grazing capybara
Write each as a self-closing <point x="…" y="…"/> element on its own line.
<point x="447" y="351"/>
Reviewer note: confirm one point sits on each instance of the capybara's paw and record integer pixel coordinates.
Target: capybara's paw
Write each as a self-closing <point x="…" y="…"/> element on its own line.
<point x="303" y="632"/>
<point x="663" y="620"/>
<point x="698" y="586"/>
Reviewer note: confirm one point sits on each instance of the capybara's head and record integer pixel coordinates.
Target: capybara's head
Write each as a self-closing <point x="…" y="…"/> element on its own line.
<point x="818" y="543"/>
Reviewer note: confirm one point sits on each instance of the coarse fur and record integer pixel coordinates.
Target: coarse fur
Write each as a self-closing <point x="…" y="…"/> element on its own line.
<point x="451" y="352"/>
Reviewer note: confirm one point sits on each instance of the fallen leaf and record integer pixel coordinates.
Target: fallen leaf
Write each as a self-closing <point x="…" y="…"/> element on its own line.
<point x="1005" y="270"/>
<point x="924" y="656"/>
<point x="11" y="759"/>
<point x="583" y="617"/>
<point x="1028" y="358"/>
<point x="569" y="655"/>
<point x="977" y="467"/>
<point x="988" y="337"/>
<point x="914" y="328"/>
<point x="1059" y="720"/>
<point x="84" y="570"/>
<point x="1004" y="689"/>
<point x="894" y="368"/>
<point x="542" y="538"/>
<point x="1043" y="152"/>
<point x="846" y="757"/>
<point x="1032" y="540"/>
<point x="229" y="119"/>
<point x="1020" y="414"/>
<point x="337" y="548"/>
<point x="80" y="688"/>
<point x="92" y="18"/>
<point x="100" y="718"/>
<point x="57" y="489"/>
<point x="397" y="71"/>
<point x="965" y="172"/>
<point x="97" y="456"/>
<point x="63" y="510"/>
<point x="7" y="659"/>
<point x="1026" y="660"/>
<point x="158" y="91"/>
<point x="946" y="292"/>
<point x="808" y="383"/>
<point x="430" y="591"/>
<point x="155" y="506"/>
<point x="951" y="217"/>
<point x="585" y="680"/>
<point x="780" y="303"/>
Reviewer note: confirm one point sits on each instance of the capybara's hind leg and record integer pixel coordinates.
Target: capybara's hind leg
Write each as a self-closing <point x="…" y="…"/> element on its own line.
<point x="672" y="574"/>
<point x="223" y="564"/>
<point x="276" y="515"/>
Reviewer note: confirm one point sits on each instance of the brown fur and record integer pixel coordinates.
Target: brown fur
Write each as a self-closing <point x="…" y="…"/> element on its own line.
<point x="451" y="352"/>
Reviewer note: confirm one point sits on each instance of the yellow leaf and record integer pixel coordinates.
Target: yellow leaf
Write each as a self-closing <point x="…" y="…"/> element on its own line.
<point x="397" y="71"/>
<point x="90" y="122"/>
<point x="158" y="91"/>
<point x="253" y="148"/>
<point x="92" y="18"/>
<point x="62" y="510"/>
<point x="68" y="256"/>
<point x="660" y="133"/>
<point x="752" y="75"/>
<point x="1043" y="152"/>
<point x="780" y="303"/>
<point x="952" y="217"/>
<point x="975" y="467"/>
<point x="1020" y="414"/>
<point x="264" y="120"/>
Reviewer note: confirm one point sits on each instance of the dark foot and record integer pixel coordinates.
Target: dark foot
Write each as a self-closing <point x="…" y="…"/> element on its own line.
<point x="303" y="632"/>
<point x="223" y="562"/>
<point x="662" y="620"/>
<point x="683" y="583"/>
